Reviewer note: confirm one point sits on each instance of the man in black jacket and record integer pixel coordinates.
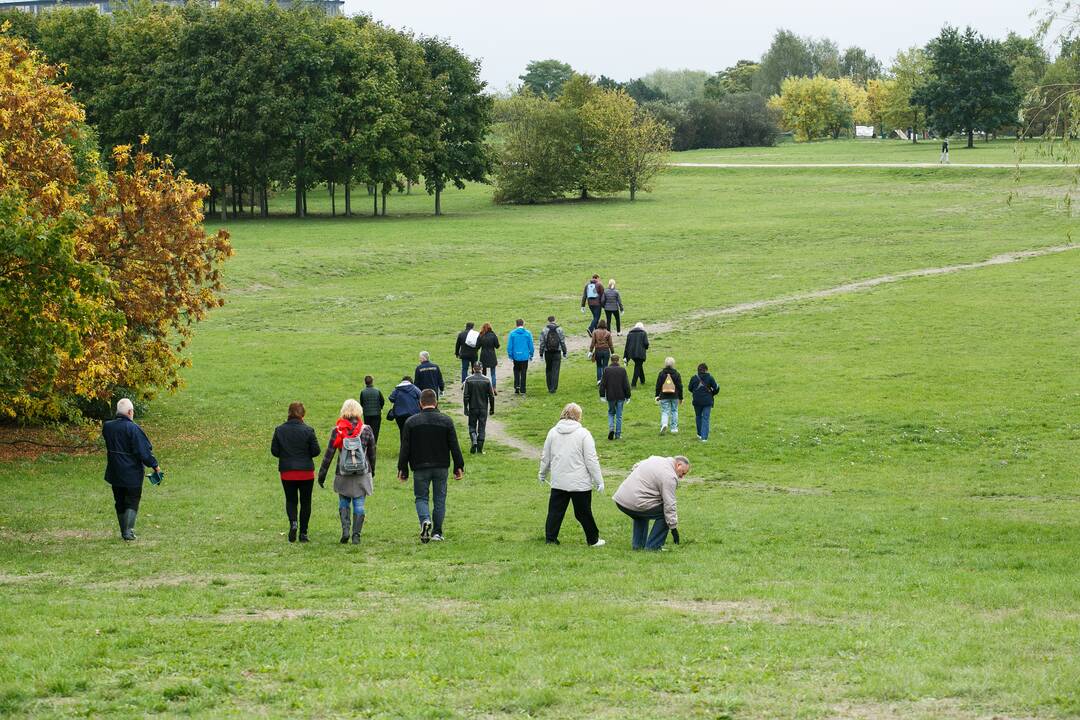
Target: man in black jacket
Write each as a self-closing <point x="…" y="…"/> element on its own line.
<point x="468" y="354"/>
<point x="553" y="350"/>
<point x="477" y="397"/>
<point x="372" y="401"/>
<point x="428" y="375"/>
<point x="428" y="444"/>
<point x="615" y="388"/>
<point x="129" y="450"/>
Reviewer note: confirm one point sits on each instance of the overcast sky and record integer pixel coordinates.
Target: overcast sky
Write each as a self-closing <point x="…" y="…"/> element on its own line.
<point x="631" y="38"/>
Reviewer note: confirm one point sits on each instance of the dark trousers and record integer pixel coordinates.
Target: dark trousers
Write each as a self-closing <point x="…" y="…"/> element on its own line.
<point x="595" y="310"/>
<point x="642" y="539"/>
<point x="375" y="421"/>
<point x="639" y="372"/>
<point x="477" y="426"/>
<point x="401" y="423"/>
<point x="298" y="492"/>
<point x="617" y="327"/>
<point x="552" y="363"/>
<point x="126" y="498"/>
<point x="521" y="369"/>
<point x="557" y="504"/>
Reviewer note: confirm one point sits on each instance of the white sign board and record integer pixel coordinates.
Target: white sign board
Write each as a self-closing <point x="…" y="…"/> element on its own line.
<point x="864" y="131"/>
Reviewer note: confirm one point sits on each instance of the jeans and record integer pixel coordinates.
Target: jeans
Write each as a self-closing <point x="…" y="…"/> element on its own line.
<point x="669" y="408"/>
<point x="601" y="358"/>
<point x="552" y="364"/>
<point x="298" y="492"/>
<point x="125" y="498"/>
<point x="490" y="372"/>
<point x="701" y="418"/>
<point x="639" y="373"/>
<point x="618" y="320"/>
<point x="582" y="511"/>
<point x="477" y="426"/>
<point x="595" y="309"/>
<point x="356" y="502"/>
<point x="521" y="369"/>
<point x="656" y="538"/>
<point x="436" y="478"/>
<point x="466" y="368"/>
<point x="375" y="421"/>
<point x="614" y="416"/>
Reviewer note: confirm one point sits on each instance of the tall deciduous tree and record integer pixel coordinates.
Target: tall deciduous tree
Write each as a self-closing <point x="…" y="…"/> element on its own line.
<point x="631" y="145"/>
<point x="813" y="107"/>
<point x="788" y="56"/>
<point x="859" y="65"/>
<point x="546" y="77"/>
<point x="535" y="159"/>
<point x="910" y="70"/>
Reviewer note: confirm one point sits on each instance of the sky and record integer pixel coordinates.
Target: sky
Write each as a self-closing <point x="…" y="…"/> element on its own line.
<point x="631" y="38"/>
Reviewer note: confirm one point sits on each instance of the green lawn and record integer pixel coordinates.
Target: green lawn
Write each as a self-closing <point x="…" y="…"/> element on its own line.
<point x="884" y="525"/>
<point x="871" y="151"/>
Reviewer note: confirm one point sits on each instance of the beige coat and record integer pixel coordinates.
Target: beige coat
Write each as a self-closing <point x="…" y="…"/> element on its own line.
<point x="651" y="483"/>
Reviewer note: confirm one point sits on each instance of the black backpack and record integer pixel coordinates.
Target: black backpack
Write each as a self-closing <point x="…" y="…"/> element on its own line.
<point x="552" y="342"/>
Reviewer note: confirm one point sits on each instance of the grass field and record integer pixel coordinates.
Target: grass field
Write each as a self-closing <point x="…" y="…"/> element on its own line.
<point x="872" y="151"/>
<point x="884" y="524"/>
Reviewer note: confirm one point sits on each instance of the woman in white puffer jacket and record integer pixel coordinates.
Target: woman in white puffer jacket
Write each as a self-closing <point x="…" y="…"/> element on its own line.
<point x="570" y="465"/>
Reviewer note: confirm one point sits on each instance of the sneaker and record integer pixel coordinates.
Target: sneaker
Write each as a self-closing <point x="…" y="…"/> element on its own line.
<point x="425" y="531"/>
<point x="674" y="432"/>
<point x="611" y="435"/>
<point x="702" y="439"/>
<point x="618" y="436"/>
<point x="599" y="543"/>
<point x="663" y="429"/>
<point x="437" y="537"/>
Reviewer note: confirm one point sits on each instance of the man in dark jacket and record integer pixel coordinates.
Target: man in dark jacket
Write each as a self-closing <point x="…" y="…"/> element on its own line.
<point x="428" y="444"/>
<point x="552" y="350"/>
<point x="428" y="376"/>
<point x="372" y="401"/>
<point x="615" y="388"/>
<point x="637" y="345"/>
<point x="129" y="451"/>
<point x="468" y="354"/>
<point x="593" y="297"/>
<point x="478" y="397"/>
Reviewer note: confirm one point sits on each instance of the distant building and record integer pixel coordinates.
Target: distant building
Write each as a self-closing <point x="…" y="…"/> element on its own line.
<point x="330" y="7"/>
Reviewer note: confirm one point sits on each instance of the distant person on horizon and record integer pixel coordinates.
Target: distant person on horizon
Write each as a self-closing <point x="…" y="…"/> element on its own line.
<point x="569" y="464"/>
<point x="703" y="391"/>
<point x="489" y="359"/>
<point x="636" y="349"/>
<point x="613" y="306"/>
<point x="944" y="152"/>
<point x="552" y="351"/>
<point x="519" y="348"/>
<point x="466" y="349"/>
<point x="129" y="450"/>
<point x="615" y="388"/>
<point x="478" y="399"/>
<point x="593" y="297"/>
<point x="295" y="446"/>
<point x="373" y="402"/>
<point x="428" y="445"/>
<point x="669" y="393"/>
<point x="405" y="402"/>
<point x="428" y="375"/>
<point x="648" y="493"/>
<point x="354" y="444"/>
<point x="600" y="347"/>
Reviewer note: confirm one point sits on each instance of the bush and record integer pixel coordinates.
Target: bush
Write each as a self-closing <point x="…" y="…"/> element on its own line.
<point x="738" y="120"/>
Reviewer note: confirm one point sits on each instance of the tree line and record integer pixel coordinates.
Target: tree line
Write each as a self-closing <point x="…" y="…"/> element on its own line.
<point x="247" y="96"/>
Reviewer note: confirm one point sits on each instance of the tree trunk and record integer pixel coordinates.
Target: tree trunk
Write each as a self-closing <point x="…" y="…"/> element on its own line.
<point x="301" y="206"/>
<point x="971" y="137"/>
<point x="224" y="203"/>
<point x="408" y="188"/>
<point x="633" y="190"/>
<point x="375" y="200"/>
<point x="348" y="198"/>
<point x="438" y="201"/>
<point x="384" y="202"/>
<point x="333" y="198"/>
<point x="264" y="201"/>
<point x="584" y="193"/>
<point x="305" y="202"/>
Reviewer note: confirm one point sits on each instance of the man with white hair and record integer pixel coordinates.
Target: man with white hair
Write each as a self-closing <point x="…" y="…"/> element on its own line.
<point x="428" y="375"/>
<point x="648" y="493"/>
<point x="129" y="450"/>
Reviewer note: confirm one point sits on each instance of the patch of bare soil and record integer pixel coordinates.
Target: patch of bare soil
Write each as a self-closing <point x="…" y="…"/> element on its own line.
<point x="924" y="709"/>
<point x="738" y="611"/>
<point x="30" y="443"/>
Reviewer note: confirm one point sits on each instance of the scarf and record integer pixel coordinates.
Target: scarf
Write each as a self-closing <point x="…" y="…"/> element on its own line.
<point x="345" y="429"/>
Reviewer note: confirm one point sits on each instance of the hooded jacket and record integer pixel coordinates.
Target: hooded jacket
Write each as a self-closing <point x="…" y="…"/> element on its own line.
<point x="405" y="399"/>
<point x="519" y="345"/>
<point x="569" y="459"/>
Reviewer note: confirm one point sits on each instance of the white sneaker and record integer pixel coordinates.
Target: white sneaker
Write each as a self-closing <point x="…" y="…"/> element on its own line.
<point x="436" y="538"/>
<point x="674" y="432"/>
<point x="663" y="429"/>
<point x="599" y="543"/>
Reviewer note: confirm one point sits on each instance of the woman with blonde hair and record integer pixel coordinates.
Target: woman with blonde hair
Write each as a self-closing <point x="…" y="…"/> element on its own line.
<point x="354" y="444"/>
<point x="570" y="465"/>
<point x="613" y="306"/>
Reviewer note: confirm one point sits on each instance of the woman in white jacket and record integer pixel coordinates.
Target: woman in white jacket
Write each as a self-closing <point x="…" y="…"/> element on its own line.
<point x="570" y="465"/>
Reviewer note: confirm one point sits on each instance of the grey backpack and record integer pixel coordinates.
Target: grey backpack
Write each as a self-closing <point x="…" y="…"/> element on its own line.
<point x="353" y="458"/>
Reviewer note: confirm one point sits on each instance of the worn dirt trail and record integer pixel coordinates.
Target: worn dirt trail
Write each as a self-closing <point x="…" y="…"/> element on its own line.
<point x="506" y="401"/>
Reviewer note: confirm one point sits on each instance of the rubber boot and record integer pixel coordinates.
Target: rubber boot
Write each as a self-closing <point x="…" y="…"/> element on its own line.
<point x="344" y="513"/>
<point x="120" y="521"/>
<point x="292" y="531"/>
<point x="129" y="524"/>
<point x="357" y="526"/>
<point x="480" y="447"/>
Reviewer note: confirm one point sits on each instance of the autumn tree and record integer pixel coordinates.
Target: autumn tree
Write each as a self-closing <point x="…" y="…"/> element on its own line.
<point x="813" y="107"/>
<point x="910" y="71"/>
<point x="631" y="145"/>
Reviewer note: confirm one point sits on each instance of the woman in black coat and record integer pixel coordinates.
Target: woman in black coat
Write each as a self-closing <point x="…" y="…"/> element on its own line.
<point x="488" y="343"/>
<point x="637" y="346"/>
<point x="294" y="445"/>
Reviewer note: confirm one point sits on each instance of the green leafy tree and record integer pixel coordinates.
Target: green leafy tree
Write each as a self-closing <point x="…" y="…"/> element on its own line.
<point x="546" y="77"/>
<point x="824" y="57"/>
<point x="631" y="146"/>
<point x="971" y="88"/>
<point x="678" y="85"/>
<point x="537" y="140"/>
<point x="739" y="78"/>
<point x="788" y="56"/>
<point x="859" y="65"/>
<point x="910" y="70"/>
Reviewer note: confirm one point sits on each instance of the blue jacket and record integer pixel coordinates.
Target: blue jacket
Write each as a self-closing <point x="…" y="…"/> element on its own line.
<point x="428" y="376"/>
<point x="703" y="388"/>
<point x="405" y="399"/>
<point x="129" y="450"/>
<point x="519" y="344"/>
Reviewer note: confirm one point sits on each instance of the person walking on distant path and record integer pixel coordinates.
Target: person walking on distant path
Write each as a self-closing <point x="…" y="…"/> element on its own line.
<point x="570" y="465"/>
<point x="489" y="343"/>
<point x="613" y="306"/>
<point x="600" y="347"/>
<point x="129" y="450"/>
<point x="428" y="445"/>
<point x="669" y="393"/>
<point x="944" y="152"/>
<point x="428" y="375"/>
<point x="615" y="388"/>
<point x="373" y="402"/>
<point x="519" y="348"/>
<point x="478" y="399"/>
<point x="294" y="445"/>
<point x="354" y="444"/>
<point x="703" y="391"/>
<point x="466" y="349"/>
<point x="404" y="401"/>
<point x="552" y="351"/>
<point x="648" y="493"/>
<point x="637" y="346"/>
<point x="593" y="297"/>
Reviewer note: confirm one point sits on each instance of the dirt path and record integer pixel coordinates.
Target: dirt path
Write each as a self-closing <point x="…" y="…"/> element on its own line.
<point x="926" y="165"/>
<point x="506" y="401"/>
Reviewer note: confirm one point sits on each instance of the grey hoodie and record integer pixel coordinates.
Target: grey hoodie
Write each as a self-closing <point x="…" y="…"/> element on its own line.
<point x="569" y="457"/>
